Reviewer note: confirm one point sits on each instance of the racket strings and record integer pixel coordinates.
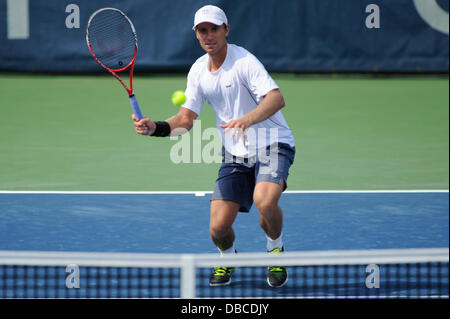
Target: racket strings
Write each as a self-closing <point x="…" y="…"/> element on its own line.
<point x="112" y="39"/>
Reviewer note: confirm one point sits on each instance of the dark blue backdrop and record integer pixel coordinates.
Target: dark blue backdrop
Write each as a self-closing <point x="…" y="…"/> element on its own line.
<point x="287" y="35"/>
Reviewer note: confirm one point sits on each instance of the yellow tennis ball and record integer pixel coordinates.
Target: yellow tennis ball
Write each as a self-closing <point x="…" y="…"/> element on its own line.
<point x="178" y="98"/>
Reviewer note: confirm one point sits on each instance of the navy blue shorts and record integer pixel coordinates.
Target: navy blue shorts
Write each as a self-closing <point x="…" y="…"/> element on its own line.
<point x="238" y="176"/>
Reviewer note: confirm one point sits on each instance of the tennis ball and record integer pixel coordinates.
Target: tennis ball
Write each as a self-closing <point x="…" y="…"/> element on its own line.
<point x="178" y="98"/>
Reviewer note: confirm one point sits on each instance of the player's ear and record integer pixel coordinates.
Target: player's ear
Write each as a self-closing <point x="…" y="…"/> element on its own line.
<point x="196" y="33"/>
<point x="227" y="29"/>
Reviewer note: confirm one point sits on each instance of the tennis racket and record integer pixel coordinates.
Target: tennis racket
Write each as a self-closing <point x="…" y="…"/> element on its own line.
<point x="112" y="41"/>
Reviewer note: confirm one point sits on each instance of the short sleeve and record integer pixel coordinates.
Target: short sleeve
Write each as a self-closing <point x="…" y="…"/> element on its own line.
<point x="258" y="80"/>
<point x="195" y="99"/>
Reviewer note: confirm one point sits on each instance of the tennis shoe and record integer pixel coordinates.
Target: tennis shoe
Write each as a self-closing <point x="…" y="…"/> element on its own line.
<point x="221" y="276"/>
<point x="277" y="276"/>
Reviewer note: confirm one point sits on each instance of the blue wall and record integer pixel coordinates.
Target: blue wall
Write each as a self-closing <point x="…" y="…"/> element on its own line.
<point x="286" y="35"/>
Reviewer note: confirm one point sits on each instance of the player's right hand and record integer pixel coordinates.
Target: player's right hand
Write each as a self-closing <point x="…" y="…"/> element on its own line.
<point x="144" y="126"/>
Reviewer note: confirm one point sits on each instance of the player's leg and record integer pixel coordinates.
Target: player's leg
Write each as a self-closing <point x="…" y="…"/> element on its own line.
<point x="233" y="192"/>
<point x="223" y="214"/>
<point x="271" y="177"/>
<point x="272" y="171"/>
<point x="266" y="198"/>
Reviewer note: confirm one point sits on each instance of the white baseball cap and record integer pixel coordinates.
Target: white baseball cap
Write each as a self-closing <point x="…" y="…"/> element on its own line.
<point x="210" y="14"/>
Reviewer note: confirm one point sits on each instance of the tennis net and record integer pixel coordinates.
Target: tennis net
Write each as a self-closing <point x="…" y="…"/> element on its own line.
<point x="405" y="273"/>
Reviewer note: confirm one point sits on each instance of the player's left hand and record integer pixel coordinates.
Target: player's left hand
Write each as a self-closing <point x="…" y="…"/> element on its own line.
<point x="239" y="128"/>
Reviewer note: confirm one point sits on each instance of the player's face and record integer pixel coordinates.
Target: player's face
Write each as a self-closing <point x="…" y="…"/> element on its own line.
<point x="212" y="38"/>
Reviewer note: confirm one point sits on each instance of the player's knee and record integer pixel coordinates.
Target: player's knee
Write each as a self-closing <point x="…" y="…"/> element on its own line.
<point x="218" y="228"/>
<point x="221" y="220"/>
<point x="218" y="231"/>
<point x="266" y="206"/>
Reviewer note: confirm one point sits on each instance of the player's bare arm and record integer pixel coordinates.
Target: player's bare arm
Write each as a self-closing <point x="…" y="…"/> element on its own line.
<point x="272" y="102"/>
<point x="182" y="121"/>
<point x="179" y="123"/>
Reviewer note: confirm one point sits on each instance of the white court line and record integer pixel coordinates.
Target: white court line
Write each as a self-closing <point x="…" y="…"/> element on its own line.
<point x="203" y="193"/>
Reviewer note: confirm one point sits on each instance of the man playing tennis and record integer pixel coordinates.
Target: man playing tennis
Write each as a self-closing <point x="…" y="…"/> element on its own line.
<point x="254" y="169"/>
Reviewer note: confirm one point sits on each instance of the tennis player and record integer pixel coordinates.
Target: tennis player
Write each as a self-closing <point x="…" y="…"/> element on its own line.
<point x="254" y="169"/>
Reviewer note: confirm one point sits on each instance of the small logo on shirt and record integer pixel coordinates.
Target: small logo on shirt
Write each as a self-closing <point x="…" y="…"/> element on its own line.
<point x="227" y="85"/>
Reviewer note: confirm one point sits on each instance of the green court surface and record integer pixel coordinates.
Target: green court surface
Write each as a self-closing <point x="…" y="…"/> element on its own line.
<point x="352" y="133"/>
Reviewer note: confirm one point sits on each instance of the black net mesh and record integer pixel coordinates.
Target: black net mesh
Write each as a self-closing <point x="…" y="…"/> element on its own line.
<point x="411" y="280"/>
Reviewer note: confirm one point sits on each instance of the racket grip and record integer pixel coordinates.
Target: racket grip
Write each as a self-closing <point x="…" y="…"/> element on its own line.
<point x="136" y="109"/>
<point x="135" y="106"/>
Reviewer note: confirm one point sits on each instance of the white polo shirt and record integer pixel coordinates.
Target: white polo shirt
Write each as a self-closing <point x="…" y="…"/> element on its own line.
<point x="233" y="91"/>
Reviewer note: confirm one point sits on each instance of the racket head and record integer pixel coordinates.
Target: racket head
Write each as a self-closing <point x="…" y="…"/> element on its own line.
<point x="111" y="39"/>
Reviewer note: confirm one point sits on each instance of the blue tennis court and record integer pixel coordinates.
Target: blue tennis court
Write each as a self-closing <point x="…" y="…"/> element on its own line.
<point x="178" y="222"/>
